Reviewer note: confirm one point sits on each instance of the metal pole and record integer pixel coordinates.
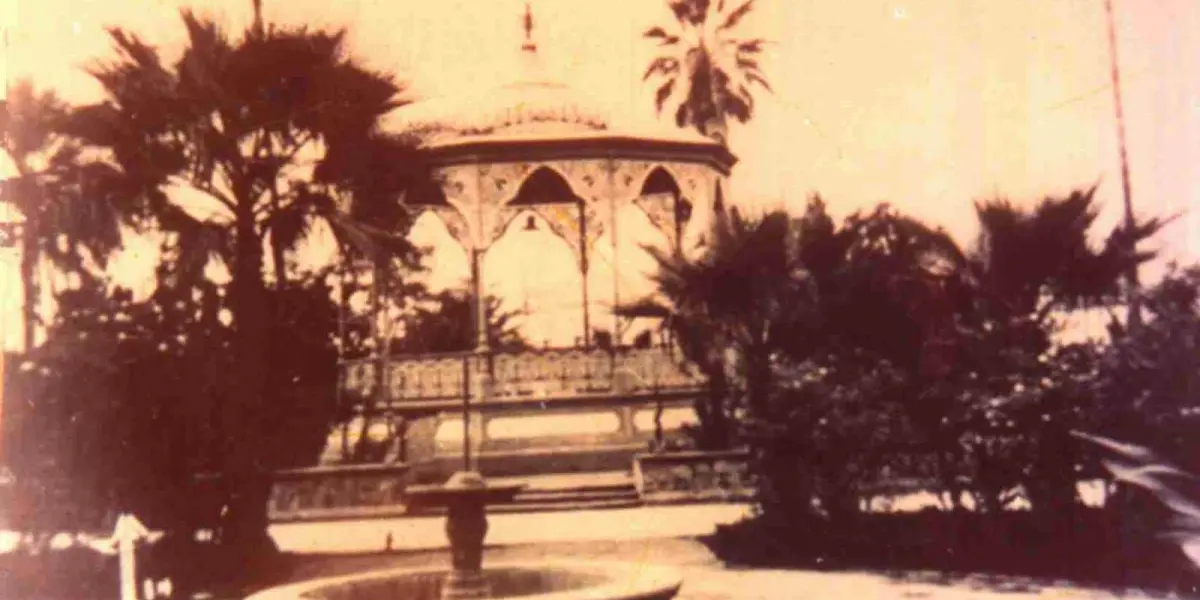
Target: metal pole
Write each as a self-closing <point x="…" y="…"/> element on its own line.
<point x="466" y="413"/>
<point x="1135" y="313"/>
<point x="481" y="318"/>
<point x="481" y="352"/>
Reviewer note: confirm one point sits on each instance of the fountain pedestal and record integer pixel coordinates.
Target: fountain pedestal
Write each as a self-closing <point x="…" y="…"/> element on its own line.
<point x="465" y="497"/>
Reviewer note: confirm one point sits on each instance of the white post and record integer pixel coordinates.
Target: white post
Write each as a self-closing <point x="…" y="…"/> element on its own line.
<point x="127" y="532"/>
<point x="128" y="573"/>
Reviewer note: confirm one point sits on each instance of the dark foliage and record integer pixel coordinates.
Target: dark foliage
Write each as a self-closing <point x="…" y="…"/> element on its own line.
<point x="1095" y="548"/>
<point x="129" y="402"/>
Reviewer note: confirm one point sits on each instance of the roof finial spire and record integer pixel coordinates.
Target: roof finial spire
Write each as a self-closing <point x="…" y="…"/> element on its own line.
<point x="529" y="46"/>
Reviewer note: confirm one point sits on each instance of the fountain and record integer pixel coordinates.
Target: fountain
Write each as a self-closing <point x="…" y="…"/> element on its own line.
<point x="465" y="497"/>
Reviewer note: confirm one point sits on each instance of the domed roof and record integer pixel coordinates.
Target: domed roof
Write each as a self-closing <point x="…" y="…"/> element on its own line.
<point x="525" y="107"/>
<point x="533" y="107"/>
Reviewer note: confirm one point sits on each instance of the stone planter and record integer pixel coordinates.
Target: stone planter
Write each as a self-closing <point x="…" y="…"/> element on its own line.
<point x="694" y="476"/>
<point x="338" y="492"/>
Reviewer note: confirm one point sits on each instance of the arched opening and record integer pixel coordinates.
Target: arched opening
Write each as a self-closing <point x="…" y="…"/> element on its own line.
<point x="533" y="271"/>
<point x="555" y="211"/>
<point x="446" y="262"/>
<point x="428" y="193"/>
<point x="622" y="272"/>
<point x="662" y="198"/>
<point x="660" y="182"/>
<point x="544" y="186"/>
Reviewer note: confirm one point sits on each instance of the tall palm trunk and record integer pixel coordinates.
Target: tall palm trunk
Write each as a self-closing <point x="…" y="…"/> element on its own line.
<point x="29" y="253"/>
<point x="278" y="251"/>
<point x="29" y="283"/>
<point x="246" y="467"/>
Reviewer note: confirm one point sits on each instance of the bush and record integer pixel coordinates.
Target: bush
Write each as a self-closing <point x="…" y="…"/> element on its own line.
<point x="828" y="434"/>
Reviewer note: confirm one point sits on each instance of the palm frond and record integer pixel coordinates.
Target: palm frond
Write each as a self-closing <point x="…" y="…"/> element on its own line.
<point x="689" y="12"/>
<point x="664" y="66"/>
<point x="644" y="308"/>
<point x="663" y="93"/>
<point x="735" y="16"/>
<point x="664" y="38"/>
<point x="756" y="77"/>
<point x="289" y="225"/>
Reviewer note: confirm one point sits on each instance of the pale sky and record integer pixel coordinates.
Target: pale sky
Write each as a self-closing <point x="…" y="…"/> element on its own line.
<point x="927" y="104"/>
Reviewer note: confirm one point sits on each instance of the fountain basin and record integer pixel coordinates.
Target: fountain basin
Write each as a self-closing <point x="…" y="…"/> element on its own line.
<point x="527" y="581"/>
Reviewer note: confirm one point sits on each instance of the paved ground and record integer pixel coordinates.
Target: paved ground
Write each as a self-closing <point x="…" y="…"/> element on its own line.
<point x="651" y="535"/>
<point x="658" y="535"/>
<point x="705" y="578"/>
<point x="425" y="533"/>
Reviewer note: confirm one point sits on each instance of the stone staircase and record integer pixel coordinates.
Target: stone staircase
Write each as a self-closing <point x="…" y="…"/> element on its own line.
<point x="569" y="491"/>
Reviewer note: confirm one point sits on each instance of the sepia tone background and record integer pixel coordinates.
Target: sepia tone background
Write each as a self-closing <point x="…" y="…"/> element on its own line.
<point x="926" y="104"/>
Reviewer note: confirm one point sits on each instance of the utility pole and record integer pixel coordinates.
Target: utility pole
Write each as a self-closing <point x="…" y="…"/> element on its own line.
<point x="1135" y="304"/>
<point x="258" y="22"/>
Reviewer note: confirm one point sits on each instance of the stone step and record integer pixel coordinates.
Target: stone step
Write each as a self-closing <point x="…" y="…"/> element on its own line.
<point x="583" y="495"/>
<point x="532" y="507"/>
<point x="565" y="491"/>
<point x="606" y="480"/>
<point x="525" y="507"/>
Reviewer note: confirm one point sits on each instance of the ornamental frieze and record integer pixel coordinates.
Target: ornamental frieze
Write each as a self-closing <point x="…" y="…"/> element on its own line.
<point x="628" y="177"/>
<point x="499" y="182"/>
<point x="660" y="208"/>
<point x="587" y="177"/>
<point x="496" y="219"/>
<point x="457" y="183"/>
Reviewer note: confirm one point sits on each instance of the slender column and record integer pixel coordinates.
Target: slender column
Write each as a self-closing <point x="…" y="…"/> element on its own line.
<point x="384" y="338"/>
<point x="583" y="268"/>
<point x="616" y="259"/>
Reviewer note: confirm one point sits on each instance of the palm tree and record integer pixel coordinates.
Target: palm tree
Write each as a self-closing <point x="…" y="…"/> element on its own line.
<point x="1030" y="268"/>
<point x="72" y="212"/>
<point x="706" y="66"/>
<point x="1034" y="264"/>
<point x="276" y="131"/>
<point x="730" y="332"/>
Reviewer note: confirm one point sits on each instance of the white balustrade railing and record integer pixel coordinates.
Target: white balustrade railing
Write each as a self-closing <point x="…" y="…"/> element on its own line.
<point x="541" y="373"/>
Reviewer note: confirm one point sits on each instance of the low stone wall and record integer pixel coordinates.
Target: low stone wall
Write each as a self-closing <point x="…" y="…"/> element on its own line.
<point x="693" y="476"/>
<point x="338" y="492"/>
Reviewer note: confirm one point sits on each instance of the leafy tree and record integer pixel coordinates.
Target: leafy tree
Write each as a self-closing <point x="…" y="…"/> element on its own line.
<point x="1149" y="379"/>
<point x="703" y="59"/>
<point x="837" y="425"/>
<point x="71" y="210"/>
<point x="240" y="124"/>
<point x="848" y="409"/>
<point x="445" y="322"/>
<point x="1018" y="391"/>
<point x="124" y="390"/>
<point x="131" y="396"/>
